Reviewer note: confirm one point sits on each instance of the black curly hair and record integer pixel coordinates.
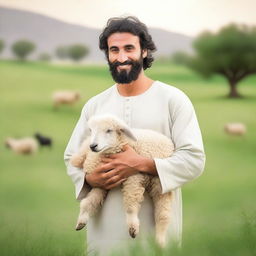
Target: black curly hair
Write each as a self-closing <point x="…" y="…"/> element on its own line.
<point x="131" y="25"/>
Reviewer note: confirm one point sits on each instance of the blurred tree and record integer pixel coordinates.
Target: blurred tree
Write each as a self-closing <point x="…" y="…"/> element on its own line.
<point x="1" y="45"/>
<point x="180" y="58"/>
<point x="61" y="52"/>
<point x="230" y="53"/>
<point x="44" y="56"/>
<point x="23" y="48"/>
<point x="77" y="51"/>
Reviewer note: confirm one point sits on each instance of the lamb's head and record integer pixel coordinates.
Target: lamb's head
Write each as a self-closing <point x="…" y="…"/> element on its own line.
<point x="8" y="142"/>
<point x="108" y="133"/>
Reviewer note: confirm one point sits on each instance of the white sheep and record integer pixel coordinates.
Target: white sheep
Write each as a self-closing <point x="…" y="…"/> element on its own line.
<point x="23" y="145"/>
<point x="108" y="135"/>
<point x="65" y="97"/>
<point x="235" y="128"/>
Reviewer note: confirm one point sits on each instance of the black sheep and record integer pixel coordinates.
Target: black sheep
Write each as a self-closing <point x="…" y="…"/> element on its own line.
<point x="42" y="140"/>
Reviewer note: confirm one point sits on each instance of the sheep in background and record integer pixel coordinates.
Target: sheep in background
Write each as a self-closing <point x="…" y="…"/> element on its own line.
<point x="108" y="135"/>
<point x="43" y="140"/>
<point x="235" y="129"/>
<point x="65" y="97"/>
<point x="23" y="145"/>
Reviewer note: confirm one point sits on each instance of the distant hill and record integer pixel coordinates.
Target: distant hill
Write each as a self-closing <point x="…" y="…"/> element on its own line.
<point x="48" y="33"/>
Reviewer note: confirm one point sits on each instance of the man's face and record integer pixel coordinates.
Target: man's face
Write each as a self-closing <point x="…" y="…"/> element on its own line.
<point x="125" y="57"/>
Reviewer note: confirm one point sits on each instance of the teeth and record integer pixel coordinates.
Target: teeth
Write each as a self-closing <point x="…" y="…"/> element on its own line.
<point x="123" y="66"/>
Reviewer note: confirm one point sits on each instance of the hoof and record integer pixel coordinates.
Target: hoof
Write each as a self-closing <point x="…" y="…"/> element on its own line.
<point x="80" y="226"/>
<point x="132" y="232"/>
<point x="161" y="241"/>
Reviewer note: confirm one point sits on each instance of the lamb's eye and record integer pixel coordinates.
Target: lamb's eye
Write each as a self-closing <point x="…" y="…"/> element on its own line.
<point x="108" y="131"/>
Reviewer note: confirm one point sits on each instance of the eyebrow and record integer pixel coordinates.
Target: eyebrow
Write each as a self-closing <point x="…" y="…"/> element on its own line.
<point x="126" y="46"/>
<point x="113" y="47"/>
<point x="129" y="45"/>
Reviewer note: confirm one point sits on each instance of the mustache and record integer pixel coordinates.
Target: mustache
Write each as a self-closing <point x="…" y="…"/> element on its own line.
<point x="117" y="63"/>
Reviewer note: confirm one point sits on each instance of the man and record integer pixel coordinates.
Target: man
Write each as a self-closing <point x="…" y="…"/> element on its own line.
<point x="141" y="103"/>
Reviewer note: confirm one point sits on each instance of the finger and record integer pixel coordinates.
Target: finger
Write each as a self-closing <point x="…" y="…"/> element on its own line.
<point x="104" y="168"/>
<point x="100" y="169"/>
<point x="110" y="174"/>
<point x="113" y="180"/>
<point x="106" y="160"/>
<point x="112" y="156"/>
<point x="115" y="184"/>
<point x="108" y="166"/>
<point x="125" y="147"/>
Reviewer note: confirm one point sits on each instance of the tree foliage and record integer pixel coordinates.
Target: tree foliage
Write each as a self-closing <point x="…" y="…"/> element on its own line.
<point x="23" y="48"/>
<point x="62" y="52"/>
<point x="44" y="56"/>
<point x="231" y="53"/>
<point x="180" y="58"/>
<point x="1" y="45"/>
<point x="77" y="51"/>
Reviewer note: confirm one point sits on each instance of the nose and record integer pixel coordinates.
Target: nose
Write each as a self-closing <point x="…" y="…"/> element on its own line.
<point x="93" y="147"/>
<point x="122" y="57"/>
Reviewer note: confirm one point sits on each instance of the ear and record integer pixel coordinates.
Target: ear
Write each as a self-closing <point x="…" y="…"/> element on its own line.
<point x="128" y="133"/>
<point x="144" y="53"/>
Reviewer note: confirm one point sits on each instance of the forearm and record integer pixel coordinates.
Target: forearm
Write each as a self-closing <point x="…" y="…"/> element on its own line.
<point x="77" y="175"/>
<point x="180" y="168"/>
<point x="78" y="178"/>
<point x="147" y="165"/>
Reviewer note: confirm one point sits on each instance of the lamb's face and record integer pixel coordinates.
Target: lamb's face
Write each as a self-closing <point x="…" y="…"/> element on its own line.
<point x="107" y="132"/>
<point x="8" y="142"/>
<point x="103" y="138"/>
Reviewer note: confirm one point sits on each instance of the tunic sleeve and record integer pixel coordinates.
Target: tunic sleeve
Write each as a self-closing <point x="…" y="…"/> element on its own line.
<point x="188" y="160"/>
<point x="78" y="135"/>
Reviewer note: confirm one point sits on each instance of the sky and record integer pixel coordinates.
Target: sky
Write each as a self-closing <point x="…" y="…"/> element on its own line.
<point x="189" y="17"/>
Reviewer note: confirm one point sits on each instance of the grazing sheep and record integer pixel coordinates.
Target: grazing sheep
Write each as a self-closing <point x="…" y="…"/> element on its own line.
<point x="235" y="128"/>
<point x="109" y="135"/>
<point x="42" y="140"/>
<point x="65" y="97"/>
<point x="23" y="145"/>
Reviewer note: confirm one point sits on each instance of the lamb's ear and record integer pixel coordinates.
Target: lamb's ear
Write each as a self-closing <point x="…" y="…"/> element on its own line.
<point x="128" y="133"/>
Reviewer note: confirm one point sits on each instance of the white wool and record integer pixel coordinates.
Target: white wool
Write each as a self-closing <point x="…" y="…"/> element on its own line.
<point x="65" y="97"/>
<point x="235" y="128"/>
<point x="109" y="130"/>
<point x="22" y="146"/>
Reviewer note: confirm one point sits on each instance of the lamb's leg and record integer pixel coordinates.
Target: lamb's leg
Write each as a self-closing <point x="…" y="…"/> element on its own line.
<point x="133" y="190"/>
<point x="162" y="210"/>
<point x="90" y="205"/>
<point x="77" y="160"/>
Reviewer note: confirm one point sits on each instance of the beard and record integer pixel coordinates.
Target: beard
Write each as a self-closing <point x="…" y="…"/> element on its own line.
<point x="126" y="76"/>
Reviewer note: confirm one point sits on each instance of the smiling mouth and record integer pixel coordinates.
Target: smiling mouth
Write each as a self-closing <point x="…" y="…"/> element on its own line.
<point x="124" y="67"/>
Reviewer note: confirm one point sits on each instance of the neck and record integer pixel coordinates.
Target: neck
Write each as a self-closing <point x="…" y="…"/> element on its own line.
<point x="136" y="87"/>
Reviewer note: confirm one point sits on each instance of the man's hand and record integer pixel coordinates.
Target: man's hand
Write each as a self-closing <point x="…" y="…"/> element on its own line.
<point x="103" y="178"/>
<point x="118" y="167"/>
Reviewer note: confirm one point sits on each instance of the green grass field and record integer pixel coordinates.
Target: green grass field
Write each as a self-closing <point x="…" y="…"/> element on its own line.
<point x="38" y="207"/>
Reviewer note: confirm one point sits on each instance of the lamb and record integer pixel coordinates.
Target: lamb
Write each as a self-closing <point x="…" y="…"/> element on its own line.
<point x="22" y="146"/>
<point x="235" y="128"/>
<point x="65" y="97"/>
<point x="108" y="135"/>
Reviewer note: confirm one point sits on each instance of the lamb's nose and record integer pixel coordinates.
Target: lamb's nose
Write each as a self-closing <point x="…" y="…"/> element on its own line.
<point x="93" y="147"/>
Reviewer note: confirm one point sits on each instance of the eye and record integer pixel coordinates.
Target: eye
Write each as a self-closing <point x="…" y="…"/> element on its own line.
<point x="129" y="48"/>
<point x="109" y="131"/>
<point x="114" y="50"/>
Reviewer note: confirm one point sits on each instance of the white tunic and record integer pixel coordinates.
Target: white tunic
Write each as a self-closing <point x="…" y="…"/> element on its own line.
<point x="162" y="108"/>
